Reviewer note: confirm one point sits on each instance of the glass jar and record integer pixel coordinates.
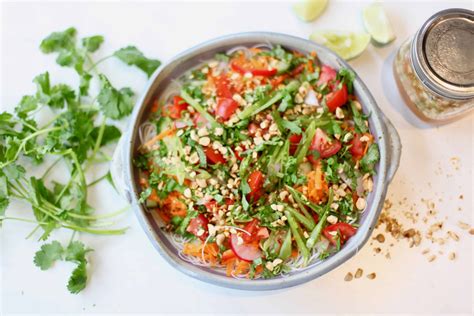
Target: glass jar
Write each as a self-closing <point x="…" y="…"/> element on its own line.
<point x="434" y="70"/>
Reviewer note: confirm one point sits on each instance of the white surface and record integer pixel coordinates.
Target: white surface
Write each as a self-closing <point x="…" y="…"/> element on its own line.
<point x="128" y="276"/>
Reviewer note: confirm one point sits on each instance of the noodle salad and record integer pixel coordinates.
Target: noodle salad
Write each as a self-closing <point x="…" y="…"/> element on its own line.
<point x="259" y="162"/>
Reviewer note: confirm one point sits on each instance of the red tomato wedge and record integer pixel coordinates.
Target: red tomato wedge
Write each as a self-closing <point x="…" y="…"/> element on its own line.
<point x="174" y="110"/>
<point x="244" y="251"/>
<point x="336" y="98"/>
<point x="196" y="224"/>
<point x="223" y="87"/>
<point x="255" y="182"/>
<point x="226" y="107"/>
<point x="213" y="156"/>
<point x="237" y="155"/>
<point x="294" y="142"/>
<point x="243" y="69"/>
<point x="253" y="128"/>
<point x="327" y="75"/>
<point x="323" y="145"/>
<point x="199" y="120"/>
<point x="345" y="231"/>
<point x="212" y="204"/>
<point x="357" y="148"/>
<point x="250" y="227"/>
<point x="262" y="233"/>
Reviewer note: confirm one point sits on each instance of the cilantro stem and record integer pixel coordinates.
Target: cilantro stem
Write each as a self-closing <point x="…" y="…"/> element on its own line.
<point x="51" y="167"/>
<point x="97" y="142"/>
<point x="98" y="180"/>
<point x="95" y="64"/>
<point x="102" y="216"/>
<point x="118" y="231"/>
<point x="25" y="140"/>
<point x="20" y="219"/>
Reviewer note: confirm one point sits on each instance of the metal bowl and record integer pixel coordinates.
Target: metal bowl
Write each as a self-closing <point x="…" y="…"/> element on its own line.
<point x="125" y="174"/>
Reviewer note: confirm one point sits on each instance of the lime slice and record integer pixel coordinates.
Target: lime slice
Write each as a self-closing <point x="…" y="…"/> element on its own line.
<point x="309" y="10"/>
<point x="377" y="24"/>
<point x="348" y="45"/>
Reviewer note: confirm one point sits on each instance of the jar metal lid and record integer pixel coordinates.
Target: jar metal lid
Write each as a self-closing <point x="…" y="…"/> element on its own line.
<point x="443" y="53"/>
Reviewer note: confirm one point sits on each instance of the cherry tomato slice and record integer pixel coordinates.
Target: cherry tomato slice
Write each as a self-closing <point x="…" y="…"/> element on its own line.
<point x="357" y="147"/>
<point x="199" y="120"/>
<point x="174" y="110"/>
<point x="255" y="182"/>
<point x="256" y="72"/>
<point x="213" y="156"/>
<point x="250" y="227"/>
<point x="196" y="224"/>
<point x="327" y="75"/>
<point x="323" y="145"/>
<point x="253" y="128"/>
<point x="336" y="98"/>
<point x="294" y="142"/>
<point x="345" y="231"/>
<point x="226" y="107"/>
<point x="223" y="87"/>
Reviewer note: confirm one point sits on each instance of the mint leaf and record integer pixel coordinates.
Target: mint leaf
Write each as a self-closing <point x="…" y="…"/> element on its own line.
<point x="132" y="56"/>
<point x="92" y="43"/>
<point x="77" y="281"/>
<point x="48" y="254"/>
<point x="114" y="103"/>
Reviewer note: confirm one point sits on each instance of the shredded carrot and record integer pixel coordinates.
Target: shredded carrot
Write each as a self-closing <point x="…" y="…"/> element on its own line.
<point x="368" y="143"/>
<point x="242" y="267"/>
<point x="313" y="54"/>
<point x="159" y="137"/>
<point x="196" y="250"/>
<point x="230" y="267"/>
<point x="317" y="185"/>
<point x="163" y="215"/>
<point x="310" y="66"/>
<point x="294" y="253"/>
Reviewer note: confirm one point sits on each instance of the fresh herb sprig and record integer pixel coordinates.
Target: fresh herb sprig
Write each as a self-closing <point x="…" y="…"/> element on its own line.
<point x="75" y="137"/>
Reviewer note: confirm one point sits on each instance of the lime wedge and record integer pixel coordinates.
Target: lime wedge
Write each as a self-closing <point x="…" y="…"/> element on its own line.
<point x="348" y="45"/>
<point x="309" y="10"/>
<point x="377" y="24"/>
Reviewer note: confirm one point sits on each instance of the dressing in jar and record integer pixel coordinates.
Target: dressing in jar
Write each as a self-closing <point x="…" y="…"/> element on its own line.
<point x="434" y="70"/>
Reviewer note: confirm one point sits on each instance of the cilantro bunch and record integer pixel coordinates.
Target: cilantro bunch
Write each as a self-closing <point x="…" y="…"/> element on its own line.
<point x="80" y="127"/>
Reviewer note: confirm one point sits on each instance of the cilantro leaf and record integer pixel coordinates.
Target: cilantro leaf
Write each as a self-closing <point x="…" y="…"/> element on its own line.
<point x="371" y="157"/>
<point x="62" y="95"/>
<point x="111" y="134"/>
<point x="84" y="83"/>
<point x="132" y="56"/>
<point x="346" y="76"/>
<point x="48" y="254"/>
<point x="76" y="252"/>
<point x="92" y="43"/>
<point x="77" y="281"/>
<point x="28" y="103"/>
<point x="358" y="119"/>
<point x="114" y="103"/>
<point x="58" y="41"/>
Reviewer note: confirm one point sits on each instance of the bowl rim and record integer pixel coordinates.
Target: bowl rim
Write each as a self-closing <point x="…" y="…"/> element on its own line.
<point x="377" y="123"/>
